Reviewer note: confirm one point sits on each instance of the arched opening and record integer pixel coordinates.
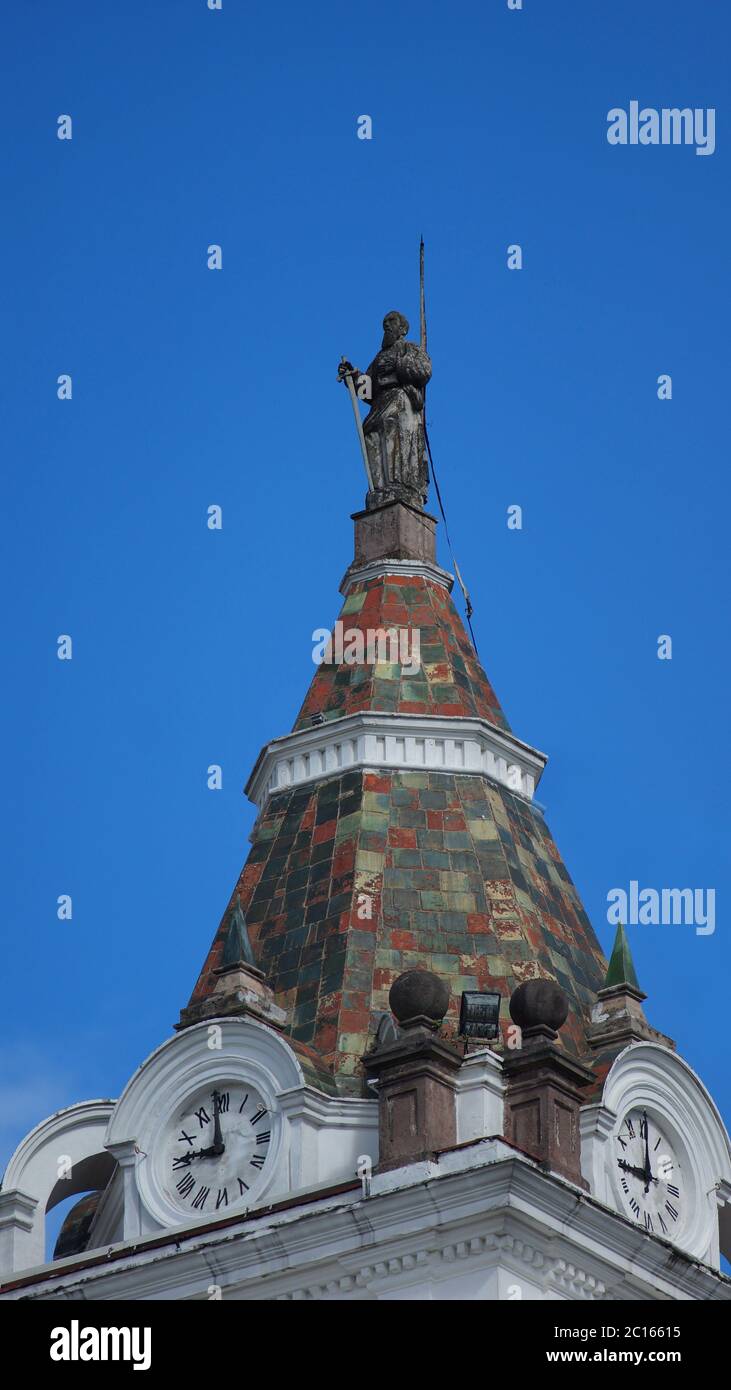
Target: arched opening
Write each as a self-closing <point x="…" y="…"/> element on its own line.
<point x="74" y="1201"/>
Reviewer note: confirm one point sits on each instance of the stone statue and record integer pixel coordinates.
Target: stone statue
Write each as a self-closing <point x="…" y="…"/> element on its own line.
<point x="393" y="430"/>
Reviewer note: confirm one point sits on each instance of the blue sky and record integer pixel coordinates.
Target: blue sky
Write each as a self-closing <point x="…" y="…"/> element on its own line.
<point x="193" y="387"/>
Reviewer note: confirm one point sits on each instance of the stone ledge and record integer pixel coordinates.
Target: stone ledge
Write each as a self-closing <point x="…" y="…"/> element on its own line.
<point x="430" y="743"/>
<point x="396" y="569"/>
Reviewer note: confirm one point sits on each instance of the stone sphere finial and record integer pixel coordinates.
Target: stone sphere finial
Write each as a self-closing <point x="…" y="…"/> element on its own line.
<point x="418" y="998"/>
<point x="539" y="1007"/>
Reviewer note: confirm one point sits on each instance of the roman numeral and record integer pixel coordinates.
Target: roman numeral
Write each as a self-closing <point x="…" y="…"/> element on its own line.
<point x="266" y="1135"/>
<point x="635" y="1206"/>
<point x="674" y="1191"/>
<point x="200" y="1197"/>
<point x="259" y="1115"/>
<point x="202" y="1116"/>
<point x="222" y="1198"/>
<point x="630" y="1129"/>
<point x="258" y="1161"/>
<point x="243" y="1186"/>
<point x="648" y="1222"/>
<point x="671" y="1210"/>
<point x="185" y="1137"/>
<point x="186" y="1184"/>
<point x="625" y="1185"/>
<point x="181" y="1162"/>
<point x="657" y="1145"/>
<point x="243" y="1103"/>
<point x="221" y="1101"/>
<point x="621" y="1142"/>
<point x="643" y="1127"/>
<point x="662" y="1223"/>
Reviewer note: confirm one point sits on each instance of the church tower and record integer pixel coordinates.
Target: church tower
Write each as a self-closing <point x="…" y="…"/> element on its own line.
<point x="321" y="1076"/>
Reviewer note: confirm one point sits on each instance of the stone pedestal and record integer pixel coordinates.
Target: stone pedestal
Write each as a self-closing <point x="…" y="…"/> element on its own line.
<point x="240" y="990"/>
<point x="618" y="1018"/>
<point x="395" y="531"/>
<point x="416" y="1096"/>
<point x="542" y="1105"/>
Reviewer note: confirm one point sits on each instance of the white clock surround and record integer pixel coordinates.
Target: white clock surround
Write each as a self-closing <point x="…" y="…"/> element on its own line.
<point x="309" y="1142"/>
<point x="648" y="1077"/>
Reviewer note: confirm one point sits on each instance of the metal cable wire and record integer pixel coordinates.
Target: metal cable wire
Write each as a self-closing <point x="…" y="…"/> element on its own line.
<point x="467" y="601"/>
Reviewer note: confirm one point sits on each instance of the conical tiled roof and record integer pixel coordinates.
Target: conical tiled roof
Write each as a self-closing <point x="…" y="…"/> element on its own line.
<point x="451" y="680"/>
<point x="357" y="873"/>
<point x="463" y="878"/>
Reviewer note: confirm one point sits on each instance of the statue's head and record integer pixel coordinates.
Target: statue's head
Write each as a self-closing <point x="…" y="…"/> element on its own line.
<point x="395" y="326"/>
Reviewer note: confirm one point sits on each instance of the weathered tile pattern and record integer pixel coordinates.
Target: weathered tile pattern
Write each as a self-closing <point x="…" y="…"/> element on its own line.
<point x="450" y="681"/>
<point x="489" y="902"/>
<point x="297" y="894"/>
<point x="601" y="1063"/>
<point x="459" y="875"/>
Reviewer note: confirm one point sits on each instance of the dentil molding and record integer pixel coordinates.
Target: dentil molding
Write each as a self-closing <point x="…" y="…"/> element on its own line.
<point x="418" y="743"/>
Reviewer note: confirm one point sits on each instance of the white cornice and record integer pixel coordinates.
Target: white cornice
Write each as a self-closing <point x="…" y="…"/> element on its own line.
<point x="380" y="569"/>
<point x="417" y="743"/>
<point x="340" y="1112"/>
<point x="482" y="1207"/>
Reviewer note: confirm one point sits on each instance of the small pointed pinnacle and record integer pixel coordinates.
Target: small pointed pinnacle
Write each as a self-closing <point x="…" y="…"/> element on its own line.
<point x="237" y="946"/>
<point x="621" y="969"/>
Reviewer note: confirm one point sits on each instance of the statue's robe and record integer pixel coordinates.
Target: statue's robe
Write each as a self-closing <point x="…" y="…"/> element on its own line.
<point x="394" y="426"/>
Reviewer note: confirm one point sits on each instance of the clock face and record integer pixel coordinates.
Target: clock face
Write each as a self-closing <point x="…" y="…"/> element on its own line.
<point x="216" y="1149"/>
<point x="648" y="1175"/>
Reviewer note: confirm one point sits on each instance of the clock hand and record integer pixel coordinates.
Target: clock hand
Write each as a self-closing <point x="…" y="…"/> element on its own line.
<point x="185" y="1160"/>
<point x="637" y="1172"/>
<point x="630" y="1168"/>
<point x="218" y="1146"/>
<point x="215" y="1149"/>
<point x="648" y="1166"/>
